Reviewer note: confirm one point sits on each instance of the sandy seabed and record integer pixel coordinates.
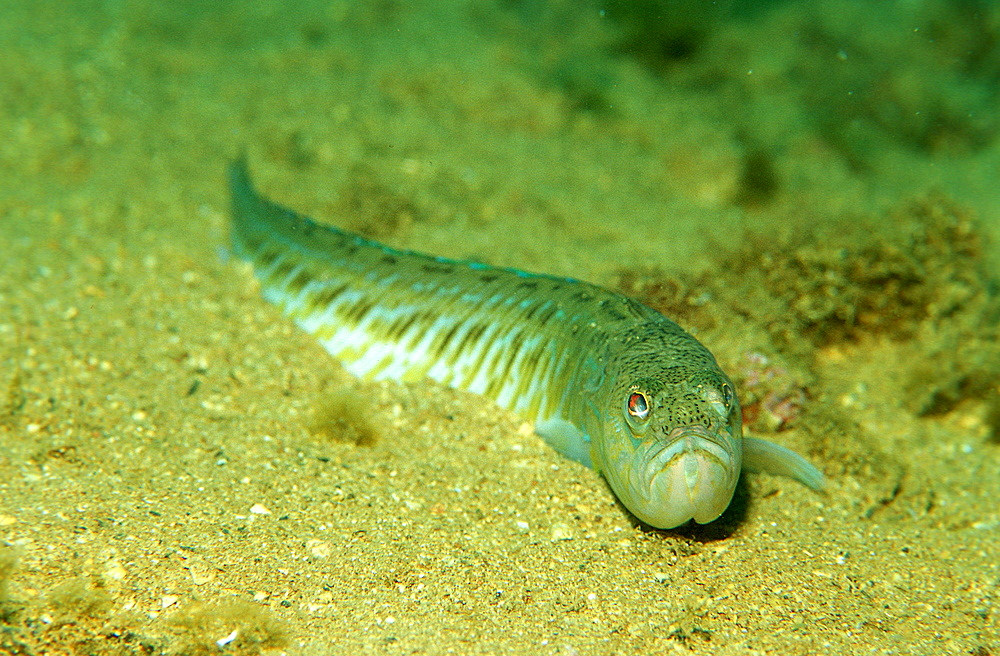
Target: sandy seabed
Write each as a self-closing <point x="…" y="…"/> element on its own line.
<point x="811" y="188"/>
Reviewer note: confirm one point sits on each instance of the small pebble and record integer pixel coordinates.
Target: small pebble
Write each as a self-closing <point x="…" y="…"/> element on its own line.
<point x="561" y="532"/>
<point x="222" y="642"/>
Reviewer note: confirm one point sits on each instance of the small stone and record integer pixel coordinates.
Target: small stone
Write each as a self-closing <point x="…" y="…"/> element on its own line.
<point x="319" y="548"/>
<point x="201" y="572"/>
<point x="222" y="642"/>
<point x="115" y="572"/>
<point x="561" y="532"/>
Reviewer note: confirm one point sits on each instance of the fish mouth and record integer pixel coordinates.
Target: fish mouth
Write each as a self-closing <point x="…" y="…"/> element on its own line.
<point x="692" y="469"/>
<point x="688" y="446"/>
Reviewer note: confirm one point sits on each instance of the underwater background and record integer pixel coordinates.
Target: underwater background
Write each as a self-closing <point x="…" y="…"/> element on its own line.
<point x="811" y="188"/>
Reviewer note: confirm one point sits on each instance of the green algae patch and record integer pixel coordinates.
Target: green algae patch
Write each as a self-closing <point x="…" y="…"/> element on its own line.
<point x="79" y="599"/>
<point x="345" y="414"/>
<point x="887" y="276"/>
<point x="239" y="627"/>
<point x="916" y="277"/>
<point x="8" y="563"/>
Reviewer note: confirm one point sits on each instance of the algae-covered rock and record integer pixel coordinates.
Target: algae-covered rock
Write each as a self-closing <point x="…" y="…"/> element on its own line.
<point x="888" y="276"/>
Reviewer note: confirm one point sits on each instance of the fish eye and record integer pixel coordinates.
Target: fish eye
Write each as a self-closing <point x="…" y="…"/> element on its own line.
<point x="728" y="396"/>
<point x="637" y="406"/>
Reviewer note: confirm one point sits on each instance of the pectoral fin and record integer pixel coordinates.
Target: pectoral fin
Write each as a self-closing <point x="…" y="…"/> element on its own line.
<point x="566" y="438"/>
<point x="763" y="456"/>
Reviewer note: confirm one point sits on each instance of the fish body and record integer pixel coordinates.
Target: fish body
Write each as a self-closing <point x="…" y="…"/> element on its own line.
<point x="607" y="381"/>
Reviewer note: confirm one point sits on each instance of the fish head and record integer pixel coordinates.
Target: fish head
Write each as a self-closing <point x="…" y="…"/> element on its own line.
<point x="672" y="446"/>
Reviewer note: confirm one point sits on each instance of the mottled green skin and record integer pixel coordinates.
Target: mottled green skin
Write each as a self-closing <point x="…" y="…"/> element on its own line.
<point x="563" y="353"/>
<point x="694" y="423"/>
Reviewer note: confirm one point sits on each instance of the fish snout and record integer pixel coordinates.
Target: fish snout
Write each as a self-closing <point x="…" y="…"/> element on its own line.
<point x="691" y="475"/>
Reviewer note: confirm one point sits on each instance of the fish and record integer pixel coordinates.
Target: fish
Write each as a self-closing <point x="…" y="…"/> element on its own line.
<point x="606" y="381"/>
